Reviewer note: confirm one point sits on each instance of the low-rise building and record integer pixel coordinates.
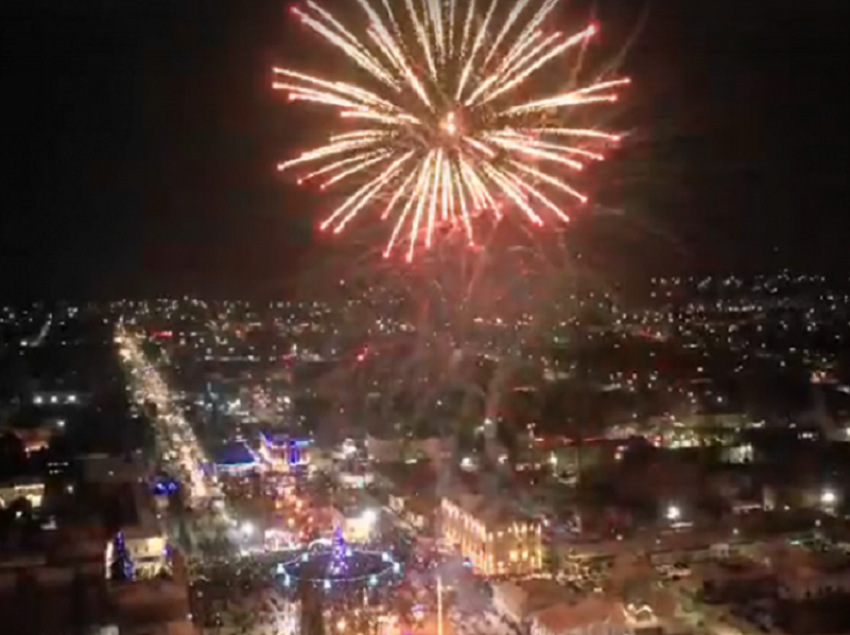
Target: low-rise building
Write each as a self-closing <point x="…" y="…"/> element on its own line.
<point x="419" y="513"/>
<point x="519" y="600"/>
<point x="592" y="615"/>
<point x="106" y="469"/>
<point x="498" y="538"/>
<point x="358" y="524"/>
<point x="411" y="494"/>
<point x="144" y="536"/>
<point x="390" y="450"/>
<point x="148" y="605"/>
<point x="804" y="575"/>
<point x="30" y="489"/>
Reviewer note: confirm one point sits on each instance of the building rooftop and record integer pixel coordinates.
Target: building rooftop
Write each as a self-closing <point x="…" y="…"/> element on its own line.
<point x="107" y="468"/>
<point x="566" y="617"/>
<point x="733" y="570"/>
<point x="491" y="513"/>
<point x="805" y="563"/>
<point x="233" y="454"/>
<point x="535" y="595"/>
<point x="135" y="512"/>
<point x="408" y="479"/>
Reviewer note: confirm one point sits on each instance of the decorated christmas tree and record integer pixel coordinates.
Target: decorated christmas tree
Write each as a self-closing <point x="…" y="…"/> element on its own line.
<point x="122" y="567"/>
<point x="338" y="549"/>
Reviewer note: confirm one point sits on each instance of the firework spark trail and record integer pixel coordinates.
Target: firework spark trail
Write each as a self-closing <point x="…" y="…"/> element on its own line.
<point x="446" y="127"/>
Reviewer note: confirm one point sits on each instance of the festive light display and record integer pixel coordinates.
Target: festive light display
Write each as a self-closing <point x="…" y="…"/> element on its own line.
<point x="122" y="566"/>
<point x="338" y="554"/>
<point x="339" y="565"/>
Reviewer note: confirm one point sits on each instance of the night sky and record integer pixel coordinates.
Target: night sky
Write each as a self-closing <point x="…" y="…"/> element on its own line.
<point x="140" y="139"/>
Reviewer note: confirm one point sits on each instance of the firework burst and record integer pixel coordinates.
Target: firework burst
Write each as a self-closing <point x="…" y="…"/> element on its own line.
<point x="446" y="128"/>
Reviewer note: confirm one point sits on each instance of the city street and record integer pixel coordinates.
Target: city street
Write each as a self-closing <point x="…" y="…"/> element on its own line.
<point x="179" y="452"/>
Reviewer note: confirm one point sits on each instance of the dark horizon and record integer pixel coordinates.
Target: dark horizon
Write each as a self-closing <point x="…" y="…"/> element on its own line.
<point x="142" y="142"/>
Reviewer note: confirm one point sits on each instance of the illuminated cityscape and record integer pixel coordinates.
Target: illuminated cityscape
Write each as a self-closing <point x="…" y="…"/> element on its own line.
<point x="425" y="318"/>
<point x="642" y="486"/>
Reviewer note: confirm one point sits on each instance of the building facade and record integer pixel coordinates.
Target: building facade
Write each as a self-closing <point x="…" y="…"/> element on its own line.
<point x="144" y="538"/>
<point x="497" y="540"/>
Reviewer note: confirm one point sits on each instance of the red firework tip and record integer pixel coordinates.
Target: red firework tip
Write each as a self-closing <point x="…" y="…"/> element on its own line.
<point x="294" y="10"/>
<point x="409" y="258"/>
<point x="299" y="181"/>
<point x="592" y="29"/>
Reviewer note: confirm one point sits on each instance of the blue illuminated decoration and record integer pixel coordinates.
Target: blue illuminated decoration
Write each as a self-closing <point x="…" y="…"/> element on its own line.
<point x="339" y="553"/>
<point x="294" y="453"/>
<point x="337" y="563"/>
<point x="165" y="487"/>
<point x="122" y="566"/>
<point x="235" y="457"/>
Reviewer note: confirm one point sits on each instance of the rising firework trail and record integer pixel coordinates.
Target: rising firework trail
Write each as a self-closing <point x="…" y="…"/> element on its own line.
<point x="446" y="127"/>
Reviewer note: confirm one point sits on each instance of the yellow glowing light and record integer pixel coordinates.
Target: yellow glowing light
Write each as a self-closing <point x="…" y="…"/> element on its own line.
<point x="449" y="125"/>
